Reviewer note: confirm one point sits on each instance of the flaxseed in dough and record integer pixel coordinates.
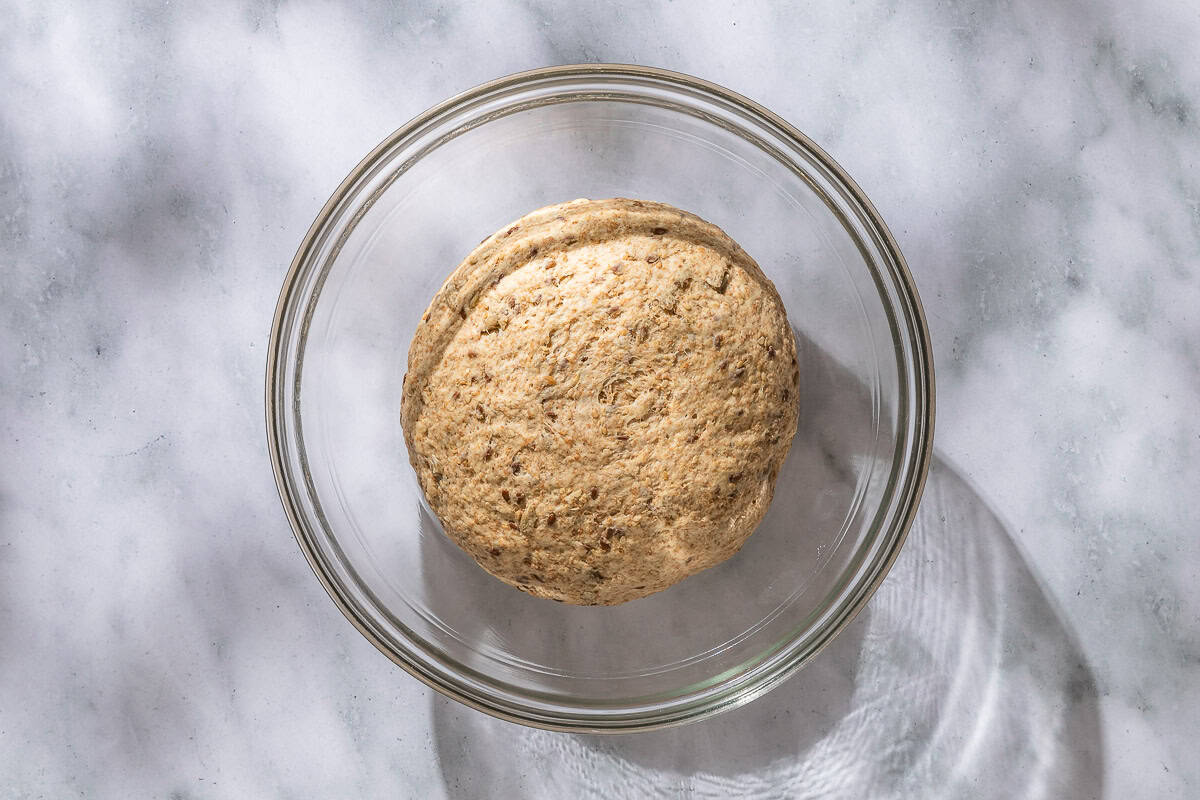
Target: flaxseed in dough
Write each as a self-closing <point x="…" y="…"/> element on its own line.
<point x="599" y="399"/>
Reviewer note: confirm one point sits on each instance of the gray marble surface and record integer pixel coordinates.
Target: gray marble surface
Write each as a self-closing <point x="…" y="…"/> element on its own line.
<point x="160" y="632"/>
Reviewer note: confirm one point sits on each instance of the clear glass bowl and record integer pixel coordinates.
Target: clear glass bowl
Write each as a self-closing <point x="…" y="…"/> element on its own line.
<point x="406" y="216"/>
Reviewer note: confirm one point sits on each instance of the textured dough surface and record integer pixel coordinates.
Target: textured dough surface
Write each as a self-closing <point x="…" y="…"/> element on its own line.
<point x="599" y="399"/>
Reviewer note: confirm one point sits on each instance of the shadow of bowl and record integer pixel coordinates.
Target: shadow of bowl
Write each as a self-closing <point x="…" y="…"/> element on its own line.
<point x="959" y="680"/>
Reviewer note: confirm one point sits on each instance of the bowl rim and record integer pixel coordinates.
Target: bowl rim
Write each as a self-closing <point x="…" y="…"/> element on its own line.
<point x="923" y="385"/>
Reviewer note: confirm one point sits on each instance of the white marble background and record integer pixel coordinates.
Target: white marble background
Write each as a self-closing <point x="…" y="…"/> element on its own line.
<point x="160" y="632"/>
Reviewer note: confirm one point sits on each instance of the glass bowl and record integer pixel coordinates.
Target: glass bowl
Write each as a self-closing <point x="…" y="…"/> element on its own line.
<point x="381" y="247"/>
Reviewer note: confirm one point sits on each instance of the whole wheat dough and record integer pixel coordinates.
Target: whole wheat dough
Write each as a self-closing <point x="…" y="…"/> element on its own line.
<point x="599" y="399"/>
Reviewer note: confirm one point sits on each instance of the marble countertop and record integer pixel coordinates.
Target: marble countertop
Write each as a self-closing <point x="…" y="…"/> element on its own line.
<point x="160" y="632"/>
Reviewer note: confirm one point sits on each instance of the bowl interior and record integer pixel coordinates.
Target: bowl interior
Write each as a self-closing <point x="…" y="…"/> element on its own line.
<point x="419" y="206"/>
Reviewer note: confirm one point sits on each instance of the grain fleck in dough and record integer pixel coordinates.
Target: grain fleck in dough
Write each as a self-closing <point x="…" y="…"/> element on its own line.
<point x="599" y="399"/>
